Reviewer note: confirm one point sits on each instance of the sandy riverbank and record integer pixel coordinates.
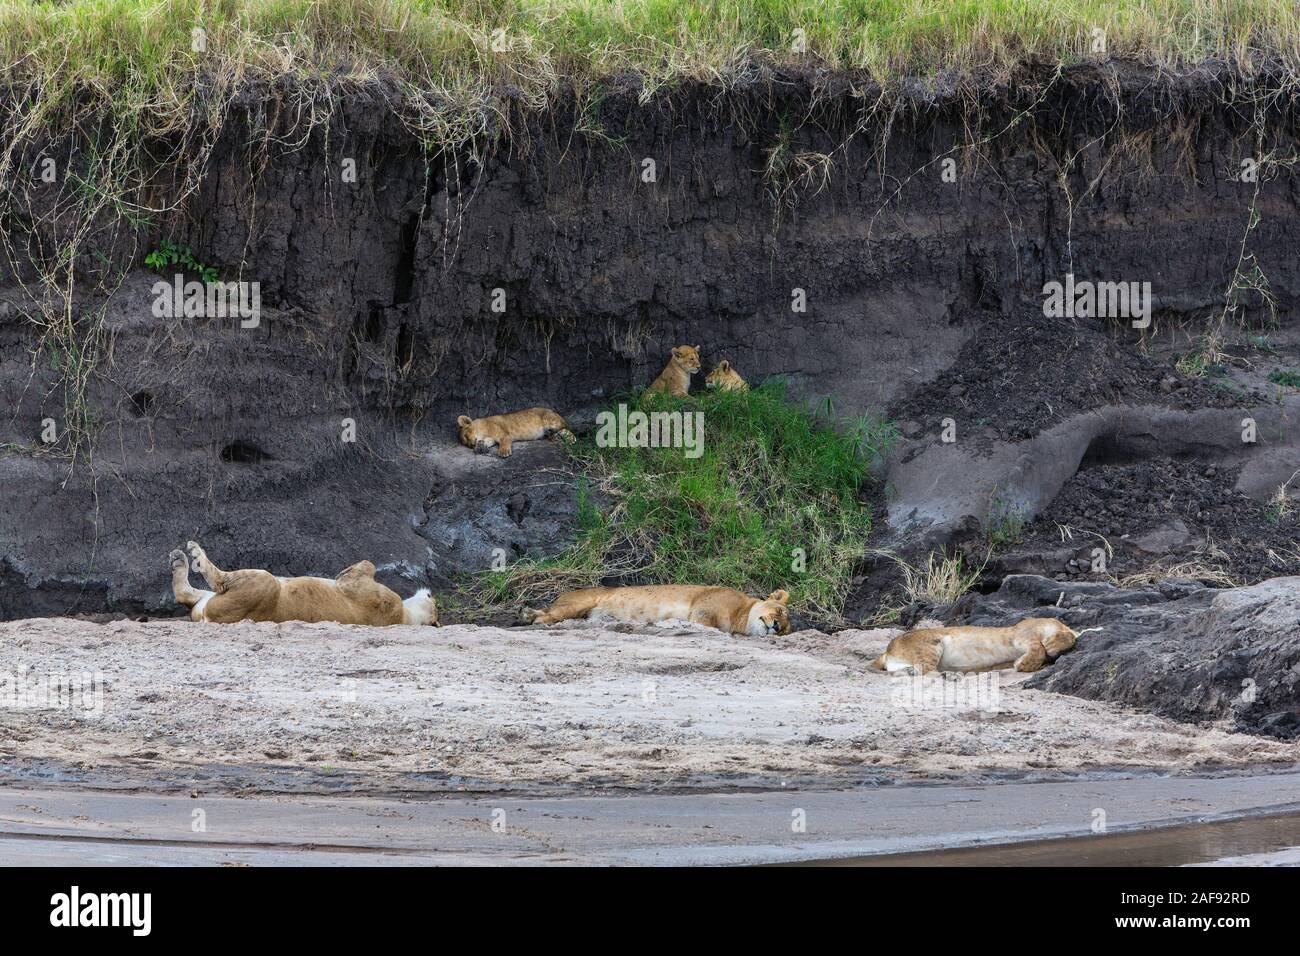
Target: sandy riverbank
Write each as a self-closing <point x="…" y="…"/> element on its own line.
<point x="322" y="706"/>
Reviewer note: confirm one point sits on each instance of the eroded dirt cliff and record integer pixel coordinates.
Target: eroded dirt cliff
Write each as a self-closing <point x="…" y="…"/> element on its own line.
<point x="924" y="301"/>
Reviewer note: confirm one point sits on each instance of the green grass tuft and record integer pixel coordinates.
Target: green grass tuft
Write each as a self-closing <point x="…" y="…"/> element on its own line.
<point x="1004" y="525"/>
<point x="773" y="502"/>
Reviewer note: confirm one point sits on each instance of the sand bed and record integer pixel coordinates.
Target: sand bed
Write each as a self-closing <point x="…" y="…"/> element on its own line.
<point x="574" y="706"/>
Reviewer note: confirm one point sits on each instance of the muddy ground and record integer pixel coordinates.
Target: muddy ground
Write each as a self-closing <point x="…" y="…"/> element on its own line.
<point x="329" y="707"/>
<point x="1084" y="453"/>
<point x="1027" y="372"/>
<point x="1158" y="513"/>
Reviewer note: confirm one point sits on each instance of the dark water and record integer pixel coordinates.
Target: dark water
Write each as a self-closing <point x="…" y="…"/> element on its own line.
<point x="1168" y="846"/>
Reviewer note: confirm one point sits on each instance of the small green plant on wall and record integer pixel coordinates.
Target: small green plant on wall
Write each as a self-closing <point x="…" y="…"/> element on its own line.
<point x="170" y="254"/>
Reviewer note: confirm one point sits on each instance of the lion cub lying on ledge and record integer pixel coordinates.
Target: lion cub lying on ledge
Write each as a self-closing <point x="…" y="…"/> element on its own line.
<point x="481" y="434"/>
<point x="354" y="597"/>
<point x="1029" y="645"/>
<point x="723" y="608"/>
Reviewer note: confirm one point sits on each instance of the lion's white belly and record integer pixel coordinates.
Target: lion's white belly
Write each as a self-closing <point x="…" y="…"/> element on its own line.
<point x="968" y="654"/>
<point x="637" y="612"/>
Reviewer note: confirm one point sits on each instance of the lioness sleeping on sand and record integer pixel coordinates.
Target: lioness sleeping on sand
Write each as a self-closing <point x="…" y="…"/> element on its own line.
<point x="723" y="608"/>
<point x="1029" y="645"/>
<point x="354" y="597"/>
<point x="502" y="431"/>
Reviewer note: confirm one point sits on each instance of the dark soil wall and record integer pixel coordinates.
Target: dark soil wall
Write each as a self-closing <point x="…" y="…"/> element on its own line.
<point x="377" y="304"/>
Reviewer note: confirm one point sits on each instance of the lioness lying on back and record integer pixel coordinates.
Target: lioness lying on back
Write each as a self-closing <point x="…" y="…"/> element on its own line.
<point x="725" y="378"/>
<point x="354" y="597"/>
<point x="502" y="431"/>
<point x="675" y="379"/>
<point x="723" y="608"/>
<point x="1029" y="645"/>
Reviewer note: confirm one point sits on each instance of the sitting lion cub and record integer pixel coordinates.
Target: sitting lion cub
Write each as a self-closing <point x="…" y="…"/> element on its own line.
<point x="354" y="597"/>
<point x="675" y="379"/>
<point x="725" y="378"/>
<point x="723" y="608"/>
<point x="504" y="430"/>
<point x="1029" y="645"/>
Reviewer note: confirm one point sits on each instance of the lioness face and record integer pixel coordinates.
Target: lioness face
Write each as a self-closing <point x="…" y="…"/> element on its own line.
<point x="1060" y="640"/>
<point x="770" y="616"/>
<point x="421" y="608"/>
<point x="688" y="357"/>
<point x="474" y="434"/>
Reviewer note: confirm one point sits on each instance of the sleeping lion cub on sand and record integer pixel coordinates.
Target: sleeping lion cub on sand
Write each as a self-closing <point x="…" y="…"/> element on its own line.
<point x="354" y="597"/>
<point x="1029" y="645"/>
<point x="723" y="608"/>
<point x="502" y="431"/>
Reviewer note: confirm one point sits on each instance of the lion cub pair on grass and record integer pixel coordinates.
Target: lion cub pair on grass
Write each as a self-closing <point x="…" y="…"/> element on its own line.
<point x="684" y="362"/>
<point x="532" y="424"/>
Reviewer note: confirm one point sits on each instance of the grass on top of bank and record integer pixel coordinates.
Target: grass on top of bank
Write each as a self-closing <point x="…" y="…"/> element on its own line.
<point x="773" y="501"/>
<point x="149" y="56"/>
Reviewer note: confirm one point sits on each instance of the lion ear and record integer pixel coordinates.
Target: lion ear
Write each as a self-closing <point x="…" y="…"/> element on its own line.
<point x="697" y="348"/>
<point x="463" y="421"/>
<point x="677" y="351"/>
<point x="780" y="597"/>
<point x="724" y="365"/>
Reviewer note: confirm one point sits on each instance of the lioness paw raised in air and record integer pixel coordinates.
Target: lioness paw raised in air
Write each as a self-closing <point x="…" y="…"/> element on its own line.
<point x="354" y="597"/>
<point x="723" y="608"/>
<point x="502" y="431"/>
